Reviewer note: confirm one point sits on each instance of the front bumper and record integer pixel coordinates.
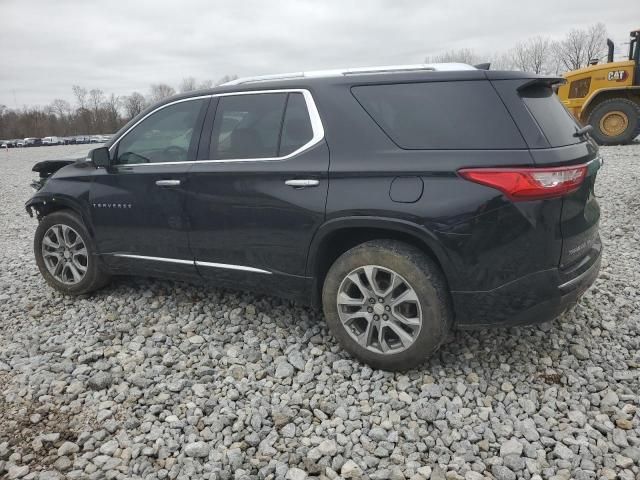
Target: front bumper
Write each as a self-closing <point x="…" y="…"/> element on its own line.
<point x="536" y="298"/>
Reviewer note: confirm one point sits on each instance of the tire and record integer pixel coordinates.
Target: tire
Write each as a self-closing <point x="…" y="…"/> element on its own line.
<point x="414" y="270"/>
<point x="92" y="278"/>
<point x="616" y="110"/>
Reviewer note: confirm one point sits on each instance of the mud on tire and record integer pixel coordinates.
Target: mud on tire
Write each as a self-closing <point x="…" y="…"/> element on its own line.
<point x="413" y="268"/>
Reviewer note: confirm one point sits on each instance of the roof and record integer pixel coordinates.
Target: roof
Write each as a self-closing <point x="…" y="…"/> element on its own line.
<point x="433" y="67"/>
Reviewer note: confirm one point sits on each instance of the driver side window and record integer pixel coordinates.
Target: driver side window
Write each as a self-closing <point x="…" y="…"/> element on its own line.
<point x="164" y="136"/>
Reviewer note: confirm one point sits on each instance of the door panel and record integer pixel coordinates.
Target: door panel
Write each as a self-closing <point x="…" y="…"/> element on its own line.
<point x="243" y="213"/>
<point x="132" y="214"/>
<point x="138" y="203"/>
<point x="248" y="227"/>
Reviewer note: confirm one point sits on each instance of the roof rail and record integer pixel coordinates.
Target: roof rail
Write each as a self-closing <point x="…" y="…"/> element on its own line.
<point x="434" y="67"/>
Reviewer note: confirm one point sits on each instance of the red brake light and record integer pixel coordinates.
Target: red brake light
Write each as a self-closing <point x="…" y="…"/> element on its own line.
<point x="520" y="184"/>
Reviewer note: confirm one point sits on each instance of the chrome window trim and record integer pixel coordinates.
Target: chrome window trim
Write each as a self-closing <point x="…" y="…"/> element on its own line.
<point x="226" y="266"/>
<point x="312" y="110"/>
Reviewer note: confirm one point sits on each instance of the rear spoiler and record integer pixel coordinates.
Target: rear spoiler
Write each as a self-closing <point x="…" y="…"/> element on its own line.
<point x="542" y="82"/>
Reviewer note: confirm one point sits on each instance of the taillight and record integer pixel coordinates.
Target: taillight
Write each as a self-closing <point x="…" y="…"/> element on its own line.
<point x="520" y="184"/>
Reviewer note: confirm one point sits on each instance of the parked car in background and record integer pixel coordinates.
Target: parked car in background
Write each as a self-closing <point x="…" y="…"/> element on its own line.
<point x="52" y="141"/>
<point x="405" y="201"/>
<point x="8" y="143"/>
<point x="32" y="142"/>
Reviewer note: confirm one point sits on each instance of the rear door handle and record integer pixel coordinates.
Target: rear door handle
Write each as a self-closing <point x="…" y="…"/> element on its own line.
<point x="298" y="183"/>
<point x="167" y="183"/>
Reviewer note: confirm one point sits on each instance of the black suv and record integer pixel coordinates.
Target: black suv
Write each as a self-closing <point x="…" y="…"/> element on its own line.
<point x="404" y="201"/>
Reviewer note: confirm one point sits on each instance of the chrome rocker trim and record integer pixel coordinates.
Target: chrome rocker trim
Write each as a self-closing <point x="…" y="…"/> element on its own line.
<point x="226" y="266"/>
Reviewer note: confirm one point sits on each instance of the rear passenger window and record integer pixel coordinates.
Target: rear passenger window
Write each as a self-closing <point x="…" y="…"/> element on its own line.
<point x="441" y="115"/>
<point x="248" y="126"/>
<point x="296" y="128"/>
<point x="260" y="126"/>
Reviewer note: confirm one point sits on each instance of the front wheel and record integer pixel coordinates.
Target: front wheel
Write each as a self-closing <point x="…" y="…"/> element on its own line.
<point x="615" y="121"/>
<point x="66" y="256"/>
<point x="387" y="304"/>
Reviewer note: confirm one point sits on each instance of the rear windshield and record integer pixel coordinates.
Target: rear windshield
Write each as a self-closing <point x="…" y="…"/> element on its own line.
<point x="552" y="117"/>
<point x="441" y="115"/>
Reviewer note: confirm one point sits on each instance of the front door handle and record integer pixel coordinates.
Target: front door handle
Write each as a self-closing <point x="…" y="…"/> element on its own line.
<point x="167" y="183"/>
<point x="298" y="183"/>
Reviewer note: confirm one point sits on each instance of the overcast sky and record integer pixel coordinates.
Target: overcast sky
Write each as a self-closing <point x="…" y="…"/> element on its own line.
<point x="46" y="46"/>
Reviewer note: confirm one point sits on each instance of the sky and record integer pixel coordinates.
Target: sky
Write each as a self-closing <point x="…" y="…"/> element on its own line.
<point x="46" y="46"/>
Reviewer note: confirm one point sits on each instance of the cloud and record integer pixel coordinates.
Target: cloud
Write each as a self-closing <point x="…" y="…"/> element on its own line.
<point x="121" y="46"/>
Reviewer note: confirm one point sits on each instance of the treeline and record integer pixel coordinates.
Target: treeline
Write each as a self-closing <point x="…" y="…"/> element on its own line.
<point x="92" y="112"/>
<point x="95" y="112"/>
<point x="540" y="54"/>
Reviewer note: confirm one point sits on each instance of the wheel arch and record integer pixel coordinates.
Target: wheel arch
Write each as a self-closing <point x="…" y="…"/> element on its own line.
<point x="628" y="92"/>
<point x="44" y="205"/>
<point x="339" y="235"/>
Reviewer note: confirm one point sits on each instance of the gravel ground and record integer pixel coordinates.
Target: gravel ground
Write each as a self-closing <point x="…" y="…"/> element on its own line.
<point x="152" y="379"/>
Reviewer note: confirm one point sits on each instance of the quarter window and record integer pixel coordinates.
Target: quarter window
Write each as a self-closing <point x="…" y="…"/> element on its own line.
<point x="296" y="128"/>
<point x="441" y="115"/>
<point x="268" y="125"/>
<point x="164" y="136"/>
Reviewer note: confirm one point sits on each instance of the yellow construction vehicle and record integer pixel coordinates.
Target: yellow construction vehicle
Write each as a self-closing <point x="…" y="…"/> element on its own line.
<point x="607" y="96"/>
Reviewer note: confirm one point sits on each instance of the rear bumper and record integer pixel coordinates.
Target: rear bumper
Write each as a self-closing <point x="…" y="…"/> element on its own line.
<point x="536" y="298"/>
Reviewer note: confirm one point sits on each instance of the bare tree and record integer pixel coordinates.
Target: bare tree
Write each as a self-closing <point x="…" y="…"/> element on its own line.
<point x="61" y="108"/>
<point x="133" y="104"/>
<point x="84" y="115"/>
<point x="500" y="61"/>
<point x="462" y="55"/>
<point x="532" y="55"/>
<point x="596" y="42"/>
<point x="205" y="84"/>
<point x="110" y="113"/>
<point x="188" y="84"/>
<point x="96" y="99"/>
<point x="160" y="91"/>
<point x="81" y="95"/>
<point x="227" y="78"/>
<point x="580" y="46"/>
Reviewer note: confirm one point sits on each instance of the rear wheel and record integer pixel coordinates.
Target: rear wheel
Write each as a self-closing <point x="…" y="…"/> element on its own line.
<point x="615" y="121"/>
<point x="387" y="304"/>
<point x="66" y="255"/>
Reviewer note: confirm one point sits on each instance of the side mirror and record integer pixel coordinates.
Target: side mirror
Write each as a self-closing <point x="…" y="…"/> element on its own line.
<point x="100" y="157"/>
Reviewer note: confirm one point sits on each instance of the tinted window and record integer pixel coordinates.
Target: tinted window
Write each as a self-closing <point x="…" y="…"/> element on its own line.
<point x="247" y="126"/>
<point x="164" y="136"/>
<point x="296" y="128"/>
<point x="441" y="115"/>
<point x="554" y="120"/>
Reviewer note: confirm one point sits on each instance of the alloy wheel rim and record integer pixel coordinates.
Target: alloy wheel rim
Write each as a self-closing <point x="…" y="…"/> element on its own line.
<point x="614" y="123"/>
<point x="65" y="254"/>
<point x="379" y="309"/>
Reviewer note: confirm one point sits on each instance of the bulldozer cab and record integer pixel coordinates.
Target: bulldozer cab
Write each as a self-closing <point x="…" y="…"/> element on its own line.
<point x="607" y="95"/>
